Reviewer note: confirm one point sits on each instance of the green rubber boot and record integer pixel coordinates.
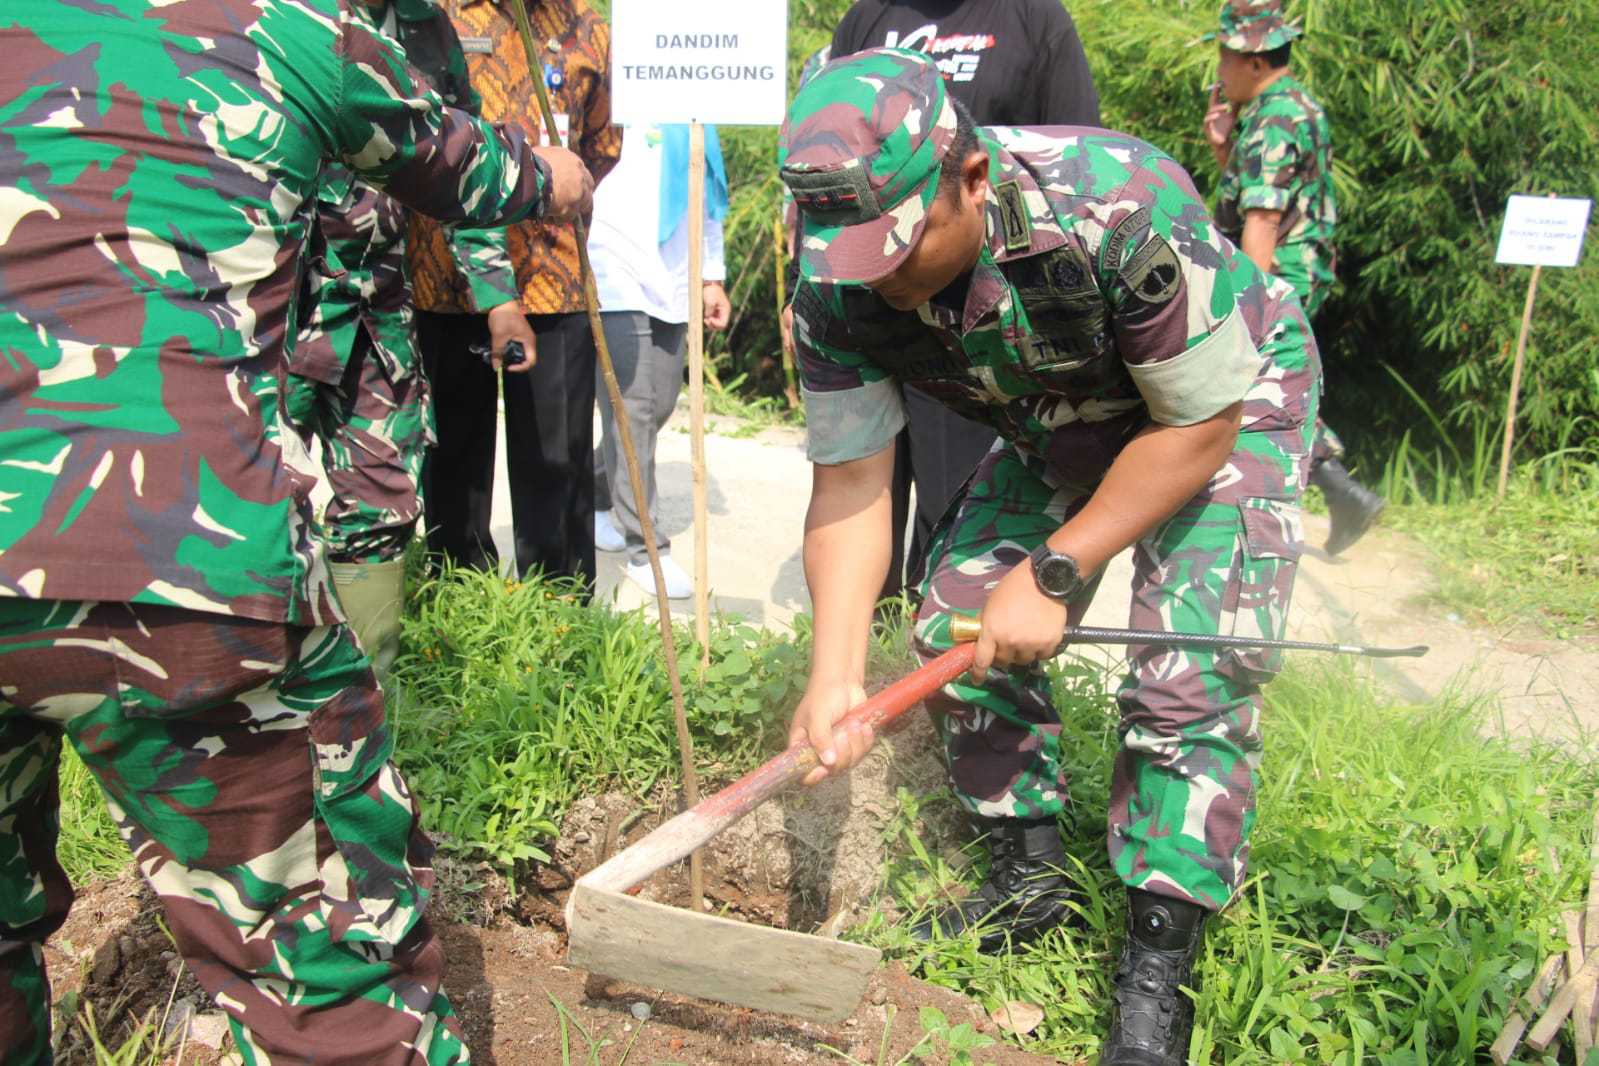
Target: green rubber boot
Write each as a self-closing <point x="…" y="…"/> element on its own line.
<point x="373" y="595"/>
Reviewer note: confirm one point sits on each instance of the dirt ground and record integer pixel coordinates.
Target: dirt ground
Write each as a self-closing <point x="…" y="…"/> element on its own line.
<point x="811" y="862"/>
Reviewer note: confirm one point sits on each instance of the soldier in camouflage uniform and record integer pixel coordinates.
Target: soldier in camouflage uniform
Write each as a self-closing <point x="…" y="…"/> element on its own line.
<point x="1271" y="141"/>
<point x="355" y="379"/>
<point x="1152" y="388"/>
<point x="165" y="604"/>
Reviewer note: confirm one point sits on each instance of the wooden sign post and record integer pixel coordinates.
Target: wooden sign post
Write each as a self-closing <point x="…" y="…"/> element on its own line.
<point x="696" y="61"/>
<point x="699" y="61"/>
<point x="1538" y="232"/>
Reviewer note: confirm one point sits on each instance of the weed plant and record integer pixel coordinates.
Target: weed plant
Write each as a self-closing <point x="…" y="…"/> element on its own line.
<point x="1531" y="557"/>
<point x="1405" y="882"/>
<point x="512" y="698"/>
<point x="88" y="848"/>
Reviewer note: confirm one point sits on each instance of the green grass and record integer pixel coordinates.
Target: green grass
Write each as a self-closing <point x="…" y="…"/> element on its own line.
<point x="754" y="412"/>
<point x="511" y="699"/>
<point x="1403" y="885"/>
<point x="89" y="848"/>
<point x="1531" y="559"/>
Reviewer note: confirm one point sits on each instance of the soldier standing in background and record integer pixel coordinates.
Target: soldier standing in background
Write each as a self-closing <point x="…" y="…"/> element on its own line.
<point x="1152" y="389"/>
<point x="354" y="381"/>
<point x="1271" y="141"/>
<point x="165" y="604"/>
<point x="549" y="411"/>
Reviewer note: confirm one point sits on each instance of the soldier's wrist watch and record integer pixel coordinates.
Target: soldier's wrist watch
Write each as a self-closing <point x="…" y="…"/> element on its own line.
<point x="1057" y="574"/>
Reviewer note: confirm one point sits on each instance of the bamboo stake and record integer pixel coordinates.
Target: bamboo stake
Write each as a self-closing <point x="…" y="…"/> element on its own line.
<point x="1504" y="1048"/>
<point x="696" y="384"/>
<point x="1515" y="382"/>
<point x="1585" y="1015"/>
<point x="1582" y="1008"/>
<point x="779" y="255"/>
<point x="1571" y="921"/>
<point x="1515" y="377"/>
<point x="1548" y="1027"/>
<point x="685" y="745"/>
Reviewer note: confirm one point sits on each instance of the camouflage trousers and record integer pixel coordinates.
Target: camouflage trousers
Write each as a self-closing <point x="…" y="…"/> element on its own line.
<point x="1182" y="789"/>
<point x="375" y="431"/>
<point x="246" y="765"/>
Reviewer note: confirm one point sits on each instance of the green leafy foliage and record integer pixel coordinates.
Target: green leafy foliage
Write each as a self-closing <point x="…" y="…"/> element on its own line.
<point x="511" y="698"/>
<point x="1440" y="110"/>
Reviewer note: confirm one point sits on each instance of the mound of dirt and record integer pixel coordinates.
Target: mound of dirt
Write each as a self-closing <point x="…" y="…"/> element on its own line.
<point x="810" y="861"/>
<point x="112" y="954"/>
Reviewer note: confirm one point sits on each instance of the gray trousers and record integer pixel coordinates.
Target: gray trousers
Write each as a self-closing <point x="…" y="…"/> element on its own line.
<point x="648" y="356"/>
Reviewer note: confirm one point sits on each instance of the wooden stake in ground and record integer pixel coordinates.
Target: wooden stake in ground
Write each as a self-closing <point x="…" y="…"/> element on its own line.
<point x="1515" y="381"/>
<point x="613" y="391"/>
<point x="1560" y="1004"/>
<point x="779" y="259"/>
<point x="696" y="383"/>
<point x="1504" y="1048"/>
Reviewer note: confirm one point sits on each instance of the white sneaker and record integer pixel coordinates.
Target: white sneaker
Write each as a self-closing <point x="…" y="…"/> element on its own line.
<point x="607" y="538"/>
<point x="678" y="585"/>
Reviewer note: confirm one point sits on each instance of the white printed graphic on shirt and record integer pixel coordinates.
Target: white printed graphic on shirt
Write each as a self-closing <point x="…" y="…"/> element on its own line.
<point x="957" y="56"/>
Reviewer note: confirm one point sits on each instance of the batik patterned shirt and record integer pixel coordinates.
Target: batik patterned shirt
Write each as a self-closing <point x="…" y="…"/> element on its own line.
<point x="575" y="47"/>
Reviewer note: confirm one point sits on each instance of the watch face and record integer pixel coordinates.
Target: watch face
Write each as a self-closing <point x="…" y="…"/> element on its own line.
<point x="1057" y="575"/>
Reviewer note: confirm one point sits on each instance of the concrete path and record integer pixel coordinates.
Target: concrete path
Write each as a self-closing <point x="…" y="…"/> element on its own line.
<point x="758" y="487"/>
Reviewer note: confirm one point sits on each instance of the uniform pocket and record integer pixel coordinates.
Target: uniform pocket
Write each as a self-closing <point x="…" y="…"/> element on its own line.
<point x="1271" y="539"/>
<point x="366" y="822"/>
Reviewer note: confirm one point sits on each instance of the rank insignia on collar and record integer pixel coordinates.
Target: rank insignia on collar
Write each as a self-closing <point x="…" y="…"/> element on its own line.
<point x="1013" y="217"/>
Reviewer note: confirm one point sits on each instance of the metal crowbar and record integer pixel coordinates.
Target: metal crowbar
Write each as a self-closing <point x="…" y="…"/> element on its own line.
<point x="612" y="933"/>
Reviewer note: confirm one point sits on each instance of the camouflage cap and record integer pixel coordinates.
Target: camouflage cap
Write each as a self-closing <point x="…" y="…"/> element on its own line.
<point x="1253" y="26"/>
<point x="861" y="153"/>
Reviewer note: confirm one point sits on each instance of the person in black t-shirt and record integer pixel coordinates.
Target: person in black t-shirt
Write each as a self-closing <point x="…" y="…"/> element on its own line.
<point x="1012" y="63"/>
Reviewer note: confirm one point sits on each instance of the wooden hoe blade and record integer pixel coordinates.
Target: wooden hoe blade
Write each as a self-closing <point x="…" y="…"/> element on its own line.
<point x="612" y="933"/>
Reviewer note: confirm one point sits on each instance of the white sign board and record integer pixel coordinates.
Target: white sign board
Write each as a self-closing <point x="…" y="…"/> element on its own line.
<point x="1543" y="231"/>
<point x="721" y="61"/>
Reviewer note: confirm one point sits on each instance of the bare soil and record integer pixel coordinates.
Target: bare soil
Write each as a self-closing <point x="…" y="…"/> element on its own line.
<point x="810" y="862"/>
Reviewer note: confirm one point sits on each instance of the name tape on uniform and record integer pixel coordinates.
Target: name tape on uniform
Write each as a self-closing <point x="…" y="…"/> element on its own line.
<point x="720" y="61"/>
<point x="1543" y="231"/>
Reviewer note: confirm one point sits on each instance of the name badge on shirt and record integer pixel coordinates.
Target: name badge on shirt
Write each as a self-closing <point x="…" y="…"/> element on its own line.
<point x="563" y="128"/>
<point x="482" y="46"/>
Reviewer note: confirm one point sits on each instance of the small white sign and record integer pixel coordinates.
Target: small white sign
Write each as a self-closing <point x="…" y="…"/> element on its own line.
<point x="721" y="61"/>
<point x="1543" y="231"/>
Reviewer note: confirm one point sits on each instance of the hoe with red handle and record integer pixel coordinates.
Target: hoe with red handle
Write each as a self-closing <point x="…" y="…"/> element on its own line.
<point x="612" y="933"/>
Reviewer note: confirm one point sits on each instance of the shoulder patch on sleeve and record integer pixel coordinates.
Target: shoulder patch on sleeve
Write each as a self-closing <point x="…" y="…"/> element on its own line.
<point x="1154" y="274"/>
<point x="1110" y="254"/>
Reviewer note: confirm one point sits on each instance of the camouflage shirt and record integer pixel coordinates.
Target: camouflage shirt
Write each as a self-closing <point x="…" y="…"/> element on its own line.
<point x="363" y="280"/>
<point x="158" y="167"/>
<point x="1104" y="299"/>
<point x="1282" y="161"/>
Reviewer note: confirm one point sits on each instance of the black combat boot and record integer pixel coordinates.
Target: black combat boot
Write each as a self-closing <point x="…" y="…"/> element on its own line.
<point x="1351" y="506"/>
<point x="1152" y="1018"/>
<point x="1024" y="895"/>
